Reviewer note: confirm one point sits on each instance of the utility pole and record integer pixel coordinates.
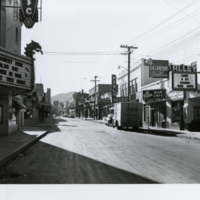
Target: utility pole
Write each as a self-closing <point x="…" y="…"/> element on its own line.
<point x="0" y="23"/>
<point x="95" y="80"/>
<point x="129" y="55"/>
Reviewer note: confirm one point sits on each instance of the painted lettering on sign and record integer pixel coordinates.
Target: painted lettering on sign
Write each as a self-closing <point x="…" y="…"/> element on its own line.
<point x="184" y="68"/>
<point x="14" y="73"/>
<point x="154" y="94"/>
<point x="29" y="12"/>
<point x="184" y="81"/>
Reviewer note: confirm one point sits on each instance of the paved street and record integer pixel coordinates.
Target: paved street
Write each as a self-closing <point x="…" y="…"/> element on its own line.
<point x="80" y="151"/>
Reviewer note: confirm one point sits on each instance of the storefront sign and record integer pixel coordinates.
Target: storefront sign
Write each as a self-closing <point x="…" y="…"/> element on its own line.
<point x="120" y="99"/>
<point x="184" y="68"/>
<point x="154" y="94"/>
<point x="29" y="12"/>
<point x="15" y="71"/>
<point x="104" y="101"/>
<point x="114" y="87"/>
<point x="159" y="69"/>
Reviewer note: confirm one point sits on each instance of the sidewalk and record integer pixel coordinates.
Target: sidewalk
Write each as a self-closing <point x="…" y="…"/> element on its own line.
<point x="177" y="133"/>
<point x="14" y="144"/>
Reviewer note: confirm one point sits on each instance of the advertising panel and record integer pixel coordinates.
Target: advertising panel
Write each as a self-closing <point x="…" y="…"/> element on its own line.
<point x="159" y="69"/>
<point x="154" y="94"/>
<point x="15" y="71"/>
<point x="184" y="77"/>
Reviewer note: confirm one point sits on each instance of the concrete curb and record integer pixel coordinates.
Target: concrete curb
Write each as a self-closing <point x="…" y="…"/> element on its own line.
<point x="21" y="149"/>
<point x="164" y="132"/>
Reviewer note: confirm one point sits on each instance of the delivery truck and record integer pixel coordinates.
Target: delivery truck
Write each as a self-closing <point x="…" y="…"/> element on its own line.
<point x="127" y="115"/>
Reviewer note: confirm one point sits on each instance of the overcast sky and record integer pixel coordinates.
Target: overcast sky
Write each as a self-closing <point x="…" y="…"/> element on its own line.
<point x="91" y="26"/>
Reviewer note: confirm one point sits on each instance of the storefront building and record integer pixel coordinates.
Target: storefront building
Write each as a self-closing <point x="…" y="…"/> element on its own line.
<point x="169" y="93"/>
<point x="96" y="102"/>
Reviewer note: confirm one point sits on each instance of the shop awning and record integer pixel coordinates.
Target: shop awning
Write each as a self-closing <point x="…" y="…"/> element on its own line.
<point x="19" y="103"/>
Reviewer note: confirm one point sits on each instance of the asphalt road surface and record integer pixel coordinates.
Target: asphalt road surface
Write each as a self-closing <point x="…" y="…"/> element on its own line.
<point x="80" y="151"/>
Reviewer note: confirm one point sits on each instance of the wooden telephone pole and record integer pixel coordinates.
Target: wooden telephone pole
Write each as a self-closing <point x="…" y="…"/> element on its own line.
<point x="95" y="80"/>
<point x="129" y="55"/>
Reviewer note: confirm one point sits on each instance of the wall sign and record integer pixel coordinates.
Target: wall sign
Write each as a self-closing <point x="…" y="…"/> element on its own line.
<point x="29" y="12"/>
<point x="15" y="71"/>
<point x="154" y="94"/>
<point x="159" y="69"/>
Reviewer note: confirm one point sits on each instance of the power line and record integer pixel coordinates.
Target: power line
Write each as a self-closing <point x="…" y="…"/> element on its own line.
<point x="166" y="20"/>
<point x="165" y="29"/>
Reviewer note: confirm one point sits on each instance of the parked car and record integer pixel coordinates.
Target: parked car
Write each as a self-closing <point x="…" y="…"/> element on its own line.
<point x="109" y="120"/>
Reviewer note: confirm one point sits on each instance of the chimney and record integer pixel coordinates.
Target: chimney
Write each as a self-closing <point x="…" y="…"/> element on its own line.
<point x="82" y="91"/>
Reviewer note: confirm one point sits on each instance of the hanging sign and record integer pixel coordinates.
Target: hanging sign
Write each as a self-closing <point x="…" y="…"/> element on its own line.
<point x="114" y="87"/>
<point x="29" y="12"/>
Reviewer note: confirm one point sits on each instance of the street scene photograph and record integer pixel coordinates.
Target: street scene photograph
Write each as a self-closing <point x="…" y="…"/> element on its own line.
<point x="100" y="99"/>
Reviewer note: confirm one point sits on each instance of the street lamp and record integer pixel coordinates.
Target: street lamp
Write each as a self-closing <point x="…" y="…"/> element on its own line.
<point x="119" y="67"/>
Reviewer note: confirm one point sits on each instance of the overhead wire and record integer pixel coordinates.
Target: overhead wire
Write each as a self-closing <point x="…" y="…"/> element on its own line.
<point x="166" y="28"/>
<point x="164" y="21"/>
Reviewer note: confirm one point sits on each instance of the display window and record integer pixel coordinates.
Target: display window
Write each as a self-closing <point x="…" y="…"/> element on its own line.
<point x="176" y="111"/>
<point x="196" y="112"/>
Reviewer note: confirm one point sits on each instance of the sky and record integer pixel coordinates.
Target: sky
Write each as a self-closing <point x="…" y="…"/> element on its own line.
<point x="81" y="38"/>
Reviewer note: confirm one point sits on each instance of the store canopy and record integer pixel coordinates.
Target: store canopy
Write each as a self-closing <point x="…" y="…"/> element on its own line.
<point x="19" y="103"/>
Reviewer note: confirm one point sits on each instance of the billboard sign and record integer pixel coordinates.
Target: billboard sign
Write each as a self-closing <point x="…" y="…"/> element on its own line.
<point x="16" y="71"/>
<point x="159" y="69"/>
<point x="184" y="77"/>
<point x="29" y="12"/>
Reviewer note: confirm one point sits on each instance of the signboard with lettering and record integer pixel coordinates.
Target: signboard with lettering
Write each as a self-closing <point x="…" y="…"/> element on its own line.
<point x="114" y="87"/>
<point x="184" y="77"/>
<point x="29" y="12"/>
<point x="16" y="71"/>
<point x="104" y="101"/>
<point x="120" y="99"/>
<point x="159" y="69"/>
<point x="154" y="94"/>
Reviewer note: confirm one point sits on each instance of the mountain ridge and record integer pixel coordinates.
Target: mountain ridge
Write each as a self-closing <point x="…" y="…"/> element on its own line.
<point x="62" y="97"/>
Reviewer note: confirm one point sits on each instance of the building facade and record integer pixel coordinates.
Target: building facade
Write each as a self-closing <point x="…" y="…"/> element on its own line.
<point x="169" y="93"/>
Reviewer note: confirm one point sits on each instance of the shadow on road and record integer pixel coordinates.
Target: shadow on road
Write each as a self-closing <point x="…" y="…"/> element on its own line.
<point x="153" y="132"/>
<point x="46" y="164"/>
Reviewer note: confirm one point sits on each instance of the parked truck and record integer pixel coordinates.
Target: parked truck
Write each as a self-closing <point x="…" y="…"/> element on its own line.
<point x="127" y="115"/>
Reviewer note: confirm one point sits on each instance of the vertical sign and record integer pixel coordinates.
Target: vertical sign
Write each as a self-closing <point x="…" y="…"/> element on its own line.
<point x="29" y="12"/>
<point x="114" y="87"/>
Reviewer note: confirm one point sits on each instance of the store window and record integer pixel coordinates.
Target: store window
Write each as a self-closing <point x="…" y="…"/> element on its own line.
<point x="196" y="112"/>
<point x="16" y="36"/>
<point x="126" y="92"/>
<point x="1" y="114"/>
<point x="136" y="85"/>
<point x="176" y="112"/>
<point x="28" y="114"/>
<point x="162" y="111"/>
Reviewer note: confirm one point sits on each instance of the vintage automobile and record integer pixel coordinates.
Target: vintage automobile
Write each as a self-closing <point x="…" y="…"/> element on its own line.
<point x="109" y="120"/>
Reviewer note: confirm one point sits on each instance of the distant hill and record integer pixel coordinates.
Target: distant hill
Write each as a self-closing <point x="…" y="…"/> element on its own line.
<point x="62" y="97"/>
